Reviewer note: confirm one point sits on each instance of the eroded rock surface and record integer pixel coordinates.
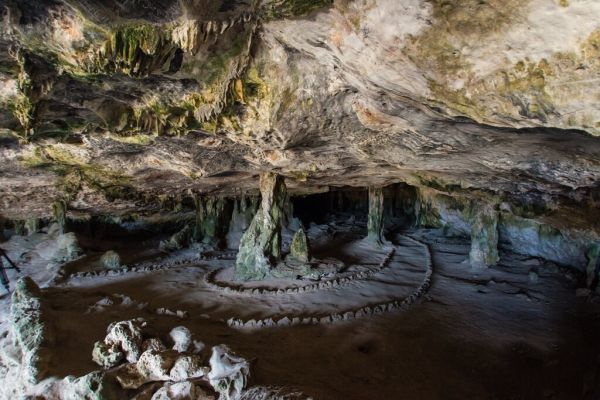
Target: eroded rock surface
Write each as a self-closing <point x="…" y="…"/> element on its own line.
<point x="229" y="373"/>
<point x="260" y="246"/>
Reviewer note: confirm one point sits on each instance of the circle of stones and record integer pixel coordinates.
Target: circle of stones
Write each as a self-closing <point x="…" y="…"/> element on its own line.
<point x="365" y="311"/>
<point x="210" y="280"/>
<point x="148" y="266"/>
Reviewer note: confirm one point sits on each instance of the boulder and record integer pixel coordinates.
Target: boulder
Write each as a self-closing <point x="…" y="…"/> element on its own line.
<point x="182" y="338"/>
<point x="229" y="373"/>
<point x="123" y="337"/>
<point x="111" y="260"/>
<point x="154" y="366"/>
<point x="181" y="391"/>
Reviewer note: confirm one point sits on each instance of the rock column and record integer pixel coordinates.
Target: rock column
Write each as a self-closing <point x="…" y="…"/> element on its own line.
<point x="260" y="246"/>
<point x="484" y="237"/>
<point x="375" y="221"/>
<point x="59" y="207"/>
<point x="212" y="220"/>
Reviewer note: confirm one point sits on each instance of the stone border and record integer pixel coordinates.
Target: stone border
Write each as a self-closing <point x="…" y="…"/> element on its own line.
<point x="148" y="266"/>
<point x="210" y="281"/>
<point x="369" y="310"/>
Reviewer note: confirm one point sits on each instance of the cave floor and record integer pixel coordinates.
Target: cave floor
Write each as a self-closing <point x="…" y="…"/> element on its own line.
<point x="502" y="333"/>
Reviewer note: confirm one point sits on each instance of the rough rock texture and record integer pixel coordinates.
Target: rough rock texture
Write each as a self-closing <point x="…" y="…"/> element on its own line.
<point x="242" y="214"/>
<point x="300" y="247"/>
<point x="111" y="259"/>
<point x="593" y="256"/>
<point x="375" y="221"/>
<point x="212" y="220"/>
<point x="31" y="331"/>
<point x="484" y="237"/>
<point x="124" y="340"/>
<point x="260" y="246"/>
<point x="59" y="248"/>
<point x="181" y="391"/>
<point x="93" y="386"/>
<point x="178" y="240"/>
<point x="101" y="100"/>
<point x="59" y="208"/>
<point x="182" y="338"/>
<point x="166" y="365"/>
<point x="229" y="373"/>
<point x="111" y="106"/>
<point x="96" y="385"/>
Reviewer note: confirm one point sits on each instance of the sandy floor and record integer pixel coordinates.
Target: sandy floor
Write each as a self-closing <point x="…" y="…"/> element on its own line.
<point x="498" y="334"/>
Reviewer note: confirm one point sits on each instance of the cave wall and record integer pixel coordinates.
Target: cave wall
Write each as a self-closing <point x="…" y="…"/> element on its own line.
<point x="519" y="230"/>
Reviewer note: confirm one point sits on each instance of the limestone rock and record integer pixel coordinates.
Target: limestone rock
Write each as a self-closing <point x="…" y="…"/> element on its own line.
<point x="181" y="391"/>
<point x="154" y="366"/>
<point x="127" y="336"/>
<point x="484" y="237"/>
<point x="153" y="344"/>
<point x="212" y="220"/>
<point x="31" y="330"/>
<point x="59" y="208"/>
<point x="93" y="386"/>
<point x="66" y="248"/>
<point x="593" y="255"/>
<point x="375" y="221"/>
<point x="178" y="240"/>
<point x="300" y="247"/>
<point x="107" y="355"/>
<point x="111" y="259"/>
<point x="260" y="246"/>
<point x="229" y="373"/>
<point x="182" y="338"/>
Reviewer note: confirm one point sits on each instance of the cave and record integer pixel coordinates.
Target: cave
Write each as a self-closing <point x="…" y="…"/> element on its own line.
<point x="299" y="199"/>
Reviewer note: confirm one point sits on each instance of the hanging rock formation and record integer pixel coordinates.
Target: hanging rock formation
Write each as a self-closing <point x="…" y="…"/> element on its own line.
<point x="212" y="220"/>
<point x="375" y="221"/>
<point x="260" y="247"/>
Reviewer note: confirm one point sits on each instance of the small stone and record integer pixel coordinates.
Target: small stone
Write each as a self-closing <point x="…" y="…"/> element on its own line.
<point x="182" y="338"/>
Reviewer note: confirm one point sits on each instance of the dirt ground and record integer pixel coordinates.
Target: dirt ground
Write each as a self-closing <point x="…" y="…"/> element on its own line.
<point x="515" y="331"/>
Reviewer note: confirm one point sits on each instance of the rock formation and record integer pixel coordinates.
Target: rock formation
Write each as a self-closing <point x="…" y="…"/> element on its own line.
<point x="32" y="331"/>
<point x="375" y="221"/>
<point x="111" y="259"/>
<point x="260" y="247"/>
<point x="300" y="247"/>
<point x="484" y="237"/>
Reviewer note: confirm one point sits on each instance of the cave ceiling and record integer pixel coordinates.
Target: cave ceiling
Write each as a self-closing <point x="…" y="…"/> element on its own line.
<point x="112" y="103"/>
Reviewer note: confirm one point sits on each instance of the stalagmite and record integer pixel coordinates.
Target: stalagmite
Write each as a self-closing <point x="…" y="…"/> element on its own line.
<point x="59" y="208"/>
<point x="260" y="247"/>
<point x="300" y="247"/>
<point x="484" y="237"/>
<point x="375" y="221"/>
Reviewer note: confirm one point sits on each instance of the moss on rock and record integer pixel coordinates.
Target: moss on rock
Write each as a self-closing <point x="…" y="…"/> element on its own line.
<point x="300" y="247"/>
<point x="375" y="218"/>
<point x="260" y="246"/>
<point x="484" y="236"/>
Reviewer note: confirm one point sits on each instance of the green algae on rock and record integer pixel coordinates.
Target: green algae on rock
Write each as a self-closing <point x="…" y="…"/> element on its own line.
<point x="260" y="246"/>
